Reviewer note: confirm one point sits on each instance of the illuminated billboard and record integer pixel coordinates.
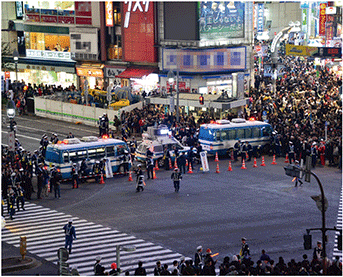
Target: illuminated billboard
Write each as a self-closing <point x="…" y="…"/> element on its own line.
<point x="221" y="20"/>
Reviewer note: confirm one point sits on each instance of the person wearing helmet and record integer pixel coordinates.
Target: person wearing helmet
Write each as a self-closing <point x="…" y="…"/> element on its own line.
<point x="176" y="176"/>
<point x="96" y="171"/>
<point x="70" y="234"/>
<point x="139" y="179"/>
<point x="74" y="176"/>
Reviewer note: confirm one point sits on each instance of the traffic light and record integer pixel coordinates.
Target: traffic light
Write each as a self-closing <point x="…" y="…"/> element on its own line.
<point x="307" y="242"/>
<point x="339" y="242"/>
<point x="201" y="100"/>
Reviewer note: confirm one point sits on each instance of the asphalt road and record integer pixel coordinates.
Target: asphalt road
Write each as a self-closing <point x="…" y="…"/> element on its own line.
<point x="213" y="210"/>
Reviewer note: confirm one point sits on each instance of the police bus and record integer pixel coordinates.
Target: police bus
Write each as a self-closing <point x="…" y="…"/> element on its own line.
<point x="221" y="135"/>
<point x="69" y="151"/>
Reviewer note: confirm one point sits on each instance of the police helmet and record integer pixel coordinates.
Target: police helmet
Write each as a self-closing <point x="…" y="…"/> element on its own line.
<point x="97" y="162"/>
<point x="126" y="152"/>
<point x="74" y="164"/>
<point x="139" y="165"/>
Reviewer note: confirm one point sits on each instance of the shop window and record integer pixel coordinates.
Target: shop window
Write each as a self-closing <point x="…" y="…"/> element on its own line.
<point x="220" y="59"/>
<point x="236" y="58"/>
<point x="187" y="60"/>
<point x="117" y="15"/>
<point x="203" y="59"/>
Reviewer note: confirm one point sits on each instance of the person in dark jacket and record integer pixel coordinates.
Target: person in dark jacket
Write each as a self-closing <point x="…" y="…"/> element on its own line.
<point x="176" y="176"/>
<point x="140" y="270"/>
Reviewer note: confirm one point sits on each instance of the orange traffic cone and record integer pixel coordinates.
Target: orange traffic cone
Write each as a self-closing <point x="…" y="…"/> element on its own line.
<point x="243" y="165"/>
<point x="186" y="163"/>
<point x="216" y="159"/>
<point x="102" y="179"/>
<point x="130" y="177"/>
<point x="48" y="186"/>
<point x="156" y="166"/>
<point x="246" y="155"/>
<point x="274" y="161"/>
<point x="175" y="163"/>
<point x="153" y="174"/>
<point x="255" y="163"/>
<point x="287" y="160"/>
<point x="170" y="164"/>
<point x="190" y="168"/>
<point x="230" y="168"/>
<point x="263" y="164"/>
<point x="75" y="185"/>
<point x="217" y="169"/>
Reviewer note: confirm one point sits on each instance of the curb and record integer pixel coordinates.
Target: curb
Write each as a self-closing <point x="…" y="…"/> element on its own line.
<point x="28" y="263"/>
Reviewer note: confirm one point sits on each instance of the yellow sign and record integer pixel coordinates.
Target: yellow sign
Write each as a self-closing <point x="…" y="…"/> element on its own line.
<point x="299" y="50"/>
<point x="94" y="72"/>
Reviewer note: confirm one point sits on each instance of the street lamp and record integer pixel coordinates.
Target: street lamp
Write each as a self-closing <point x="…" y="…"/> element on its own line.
<point x="16" y="58"/>
<point x="127" y="248"/>
<point x="171" y="77"/>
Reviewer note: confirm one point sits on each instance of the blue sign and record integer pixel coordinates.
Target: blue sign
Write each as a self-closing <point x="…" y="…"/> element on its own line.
<point x="260" y="18"/>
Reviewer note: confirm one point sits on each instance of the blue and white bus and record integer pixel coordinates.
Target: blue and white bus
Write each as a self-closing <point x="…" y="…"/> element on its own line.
<point x="69" y="151"/>
<point x="222" y="135"/>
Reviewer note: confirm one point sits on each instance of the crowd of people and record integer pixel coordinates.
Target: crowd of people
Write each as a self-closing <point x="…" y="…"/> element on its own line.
<point x="205" y="264"/>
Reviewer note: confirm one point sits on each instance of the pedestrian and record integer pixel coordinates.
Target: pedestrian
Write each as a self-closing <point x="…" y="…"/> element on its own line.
<point x="99" y="269"/>
<point x="40" y="180"/>
<point x="11" y="204"/>
<point x="74" y="176"/>
<point x="297" y="179"/>
<point x="318" y="251"/>
<point x="198" y="259"/>
<point x="20" y="197"/>
<point x="96" y="171"/>
<point x="70" y="235"/>
<point x="176" y="176"/>
<point x="245" y="251"/>
<point x="158" y="269"/>
<point x="139" y="179"/>
<point x="181" y="161"/>
<point x="165" y="271"/>
<point x="140" y="270"/>
<point x="55" y="179"/>
<point x="236" y="150"/>
<point x="114" y="271"/>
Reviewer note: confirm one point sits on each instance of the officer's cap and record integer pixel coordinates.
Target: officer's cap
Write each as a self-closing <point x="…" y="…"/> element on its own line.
<point x="70" y="221"/>
<point x="98" y="258"/>
<point x="244" y="239"/>
<point x="97" y="162"/>
<point x="199" y="247"/>
<point x="139" y="165"/>
<point x="21" y="169"/>
<point x="319" y="242"/>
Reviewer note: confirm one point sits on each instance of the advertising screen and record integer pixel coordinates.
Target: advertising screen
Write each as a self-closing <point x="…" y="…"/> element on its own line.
<point x="221" y="20"/>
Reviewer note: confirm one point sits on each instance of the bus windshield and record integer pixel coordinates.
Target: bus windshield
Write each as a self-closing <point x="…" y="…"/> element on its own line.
<point x="207" y="134"/>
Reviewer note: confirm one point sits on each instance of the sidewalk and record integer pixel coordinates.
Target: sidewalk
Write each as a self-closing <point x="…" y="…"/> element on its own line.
<point x="36" y="266"/>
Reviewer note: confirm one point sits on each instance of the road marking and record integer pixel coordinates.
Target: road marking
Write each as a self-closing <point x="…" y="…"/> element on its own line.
<point x="43" y="228"/>
<point x="18" y="135"/>
<point x="337" y="252"/>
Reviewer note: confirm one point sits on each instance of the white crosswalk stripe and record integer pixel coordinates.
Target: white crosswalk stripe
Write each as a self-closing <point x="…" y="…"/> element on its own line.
<point x="44" y="234"/>
<point x="337" y="252"/>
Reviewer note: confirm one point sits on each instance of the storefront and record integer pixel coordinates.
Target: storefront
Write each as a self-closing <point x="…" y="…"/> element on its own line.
<point x="111" y="73"/>
<point x="93" y="73"/>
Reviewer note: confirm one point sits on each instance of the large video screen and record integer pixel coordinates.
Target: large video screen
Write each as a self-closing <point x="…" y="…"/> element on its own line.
<point x="221" y="20"/>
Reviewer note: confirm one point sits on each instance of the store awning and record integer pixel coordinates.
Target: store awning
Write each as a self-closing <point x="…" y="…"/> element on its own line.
<point x="138" y="73"/>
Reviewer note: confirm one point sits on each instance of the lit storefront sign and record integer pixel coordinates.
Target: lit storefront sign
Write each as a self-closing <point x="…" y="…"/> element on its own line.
<point x="260" y="18"/>
<point x="137" y="7"/>
<point x="322" y="19"/>
<point x="89" y="72"/>
<point x="39" y="54"/>
<point x="207" y="60"/>
<point x="109" y="13"/>
<point x="331" y="10"/>
<point x="112" y="72"/>
<point x="84" y="41"/>
<point x="221" y="20"/>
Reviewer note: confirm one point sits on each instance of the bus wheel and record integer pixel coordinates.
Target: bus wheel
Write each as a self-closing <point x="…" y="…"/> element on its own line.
<point x="121" y="170"/>
<point x="160" y="163"/>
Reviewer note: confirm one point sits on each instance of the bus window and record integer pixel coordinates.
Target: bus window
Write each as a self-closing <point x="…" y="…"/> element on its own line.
<point x="240" y="133"/>
<point x="256" y="133"/>
<point x="82" y="154"/>
<point x="100" y="153"/>
<point x="224" y="135"/>
<point x="65" y="157"/>
<point x="248" y="133"/>
<point x="216" y="136"/>
<point x="232" y="134"/>
<point x="266" y="131"/>
<point x="110" y="151"/>
<point x="207" y="134"/>
<point x="120" y="149"/>
<point x="92" y="154"/>
<point x="73" y="157"/>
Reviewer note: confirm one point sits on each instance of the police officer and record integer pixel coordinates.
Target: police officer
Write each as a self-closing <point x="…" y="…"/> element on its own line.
<point x="96" y="171"/>
<point x="244" y="151"/>
<point x="74" y="176"/>
<point x="40" y="180"/>
<point x="318" y="251"/>
<point x="314" y="153"/>
<point x="126" y="160"/>
<point x="198" y="257"/>
<point x="236" y="150"/>
<point x="11" y="203"/>
<point x="181" y="161"/>
<point x="150" y="167"/>
<point x="245" y="251"/>
<point x="99" y="269"/>
<point x="55" y="181"/>
<point x="176" y="176"/>
<point x="70" y="234"/>
<point x="20" y="197"/>
<point x="249" y="150"/>
<point x="83" y="168"/>
<point x="139" y="179"/>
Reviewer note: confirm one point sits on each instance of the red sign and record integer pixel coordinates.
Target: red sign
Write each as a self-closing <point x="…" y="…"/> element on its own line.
<point x="84" y="20"/>
<point x="322" y="19"/>
<point x="109" y="13"/>
<point x="7" y="75"/>
<point x="139" y="32"/>
<point x="83" y="8"/>
<point x="33" y="18"/>
<point x="48" y="18"/>
<point x="66" y="20"/>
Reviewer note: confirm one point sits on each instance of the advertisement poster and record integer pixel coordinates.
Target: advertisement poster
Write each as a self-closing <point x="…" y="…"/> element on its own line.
<point x="322" y="19"/>
<point x="204" y="162"/>
<point x="260" y="17"/>
<point x="219" y="19"/>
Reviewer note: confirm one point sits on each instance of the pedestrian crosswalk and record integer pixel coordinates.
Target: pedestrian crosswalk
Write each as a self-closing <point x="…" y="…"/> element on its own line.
<point x="337" y="252"/>
<point x="44" y="234"/>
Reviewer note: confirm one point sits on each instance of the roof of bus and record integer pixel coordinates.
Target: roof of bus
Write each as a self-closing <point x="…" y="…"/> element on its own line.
<point x="234" y="125"/>
<point x="100" y="142"/>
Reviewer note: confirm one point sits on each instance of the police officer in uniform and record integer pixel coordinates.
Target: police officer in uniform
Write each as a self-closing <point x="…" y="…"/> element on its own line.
<point x="198" y="257"/>
<point x="20" y="197"/>
<point x="140" y="179"/>
<point x="236" y="150"/>
<point x="40" y="180"/>
<point x="126" y="160"/>
<point x="245" y="251"/>
<point x="74" y="176"/>
<point x="99" y="269"/>
<point x="150" y="166"/>
<point x="249" y="150"/>
<point x="176" y="176"/>
<point x="291" y="152"/>
<point x="70" y="234"/>
<point x="11" y="203"/>
<point x="318" y="251"/>
<point x="96" y="171"/>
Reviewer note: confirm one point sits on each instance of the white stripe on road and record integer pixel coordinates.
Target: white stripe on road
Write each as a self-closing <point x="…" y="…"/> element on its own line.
<point x="18" y="135"/>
